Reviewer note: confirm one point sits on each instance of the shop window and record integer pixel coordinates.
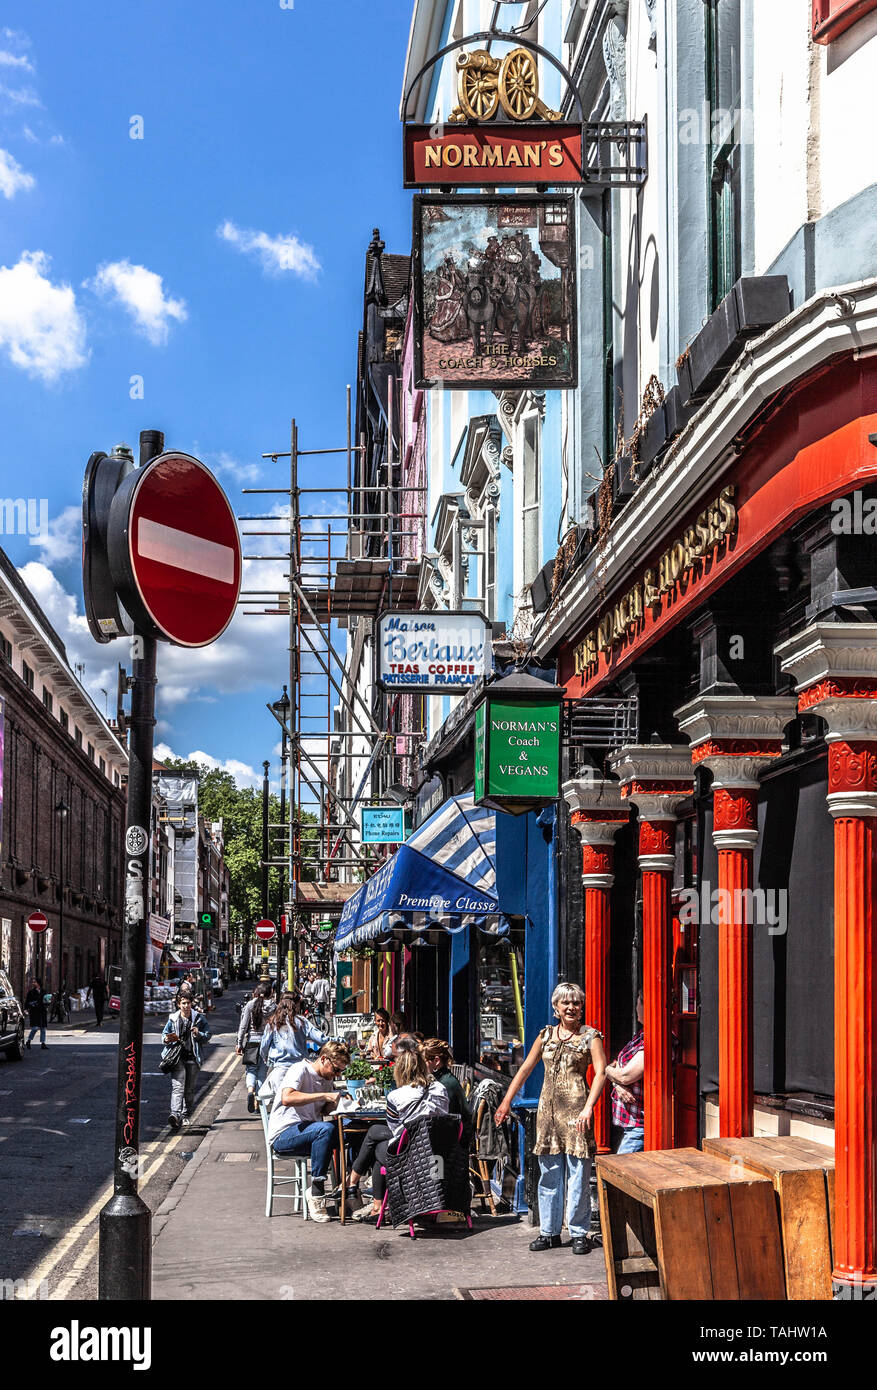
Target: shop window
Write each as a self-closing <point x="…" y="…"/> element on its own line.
<point x="500" y="1016"/>
<point x="723" y="82"/>
<point x="831" y="18"/>
<point x="27" y="675"/>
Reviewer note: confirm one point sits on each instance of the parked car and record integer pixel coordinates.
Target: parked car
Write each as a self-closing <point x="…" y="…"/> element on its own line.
<point x="217" y="982"/>
<point x="12" y="1020"/>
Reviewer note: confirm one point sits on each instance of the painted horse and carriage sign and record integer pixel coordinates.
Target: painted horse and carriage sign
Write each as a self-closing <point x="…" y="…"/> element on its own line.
<point x="495" y="291"/>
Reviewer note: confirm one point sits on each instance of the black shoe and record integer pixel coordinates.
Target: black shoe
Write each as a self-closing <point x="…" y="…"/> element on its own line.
<point x="44" y="1046"/>
<point x="545" y="1243"/>
<point x="174" y="1122"/>
<point x="27" y="1044"/>
<point x="581" y="1245"/>
<point x="251" y="1102"/>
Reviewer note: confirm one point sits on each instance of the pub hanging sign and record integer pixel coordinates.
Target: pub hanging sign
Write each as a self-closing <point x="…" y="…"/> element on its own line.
<point x="517" y="745"/>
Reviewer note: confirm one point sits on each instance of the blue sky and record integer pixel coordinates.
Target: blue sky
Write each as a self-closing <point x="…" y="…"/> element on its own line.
<point x="220" y="258"/>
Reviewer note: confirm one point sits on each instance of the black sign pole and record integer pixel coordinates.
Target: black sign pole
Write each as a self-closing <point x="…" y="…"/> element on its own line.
<point x="125" y="1250"/>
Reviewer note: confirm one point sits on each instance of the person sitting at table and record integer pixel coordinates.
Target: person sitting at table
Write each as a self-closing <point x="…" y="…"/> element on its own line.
<point x="374" y="1050"/>
<point x="416" y="1094"/>
<point x="439" y="1060"/>
<point x="295" y="1129"/>
<point x="397" y="1026"/>
<point x="286" y="1036"/>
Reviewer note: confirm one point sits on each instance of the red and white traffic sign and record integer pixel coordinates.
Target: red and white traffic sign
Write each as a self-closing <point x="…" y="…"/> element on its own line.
<point x="38" y="921"/>
<point x="175" y="552"/>
<point x="265" y="929"/>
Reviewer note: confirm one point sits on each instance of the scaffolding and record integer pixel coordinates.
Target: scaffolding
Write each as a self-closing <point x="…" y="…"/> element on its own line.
<point x="352" y="550"/>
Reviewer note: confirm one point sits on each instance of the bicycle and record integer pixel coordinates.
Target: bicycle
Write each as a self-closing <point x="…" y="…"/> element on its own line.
<point x="60" y="1012"/>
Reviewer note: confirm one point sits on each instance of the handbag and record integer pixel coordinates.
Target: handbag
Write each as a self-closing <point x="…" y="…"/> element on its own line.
<point x="250" y="1054"/>
<point x="171" y="1058"/>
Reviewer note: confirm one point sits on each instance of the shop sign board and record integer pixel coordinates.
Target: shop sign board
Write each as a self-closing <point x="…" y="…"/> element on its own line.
<point x="487" y="155"/>
<point x="517" y="751"/>
<point x="495" y="291"/>
<point x="383" y="825"/>
<point x="437" y="652"/>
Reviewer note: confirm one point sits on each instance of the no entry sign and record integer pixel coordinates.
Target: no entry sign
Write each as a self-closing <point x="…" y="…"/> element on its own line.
<point x="38" y="921"/>
<point x="174" y="551"/>
<point x="265" y="929"/>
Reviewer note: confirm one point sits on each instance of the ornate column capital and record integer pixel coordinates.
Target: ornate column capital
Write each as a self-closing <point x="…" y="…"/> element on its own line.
<point x="655" y="777"/>
<point x="834" y="666"/>
<point x="734" y="735"/>
<point x="598" y="811"/>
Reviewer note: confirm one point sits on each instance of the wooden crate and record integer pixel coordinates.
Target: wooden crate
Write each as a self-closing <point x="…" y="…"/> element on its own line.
<point x="683" y="1225"/>
<point x="802" y="1173"/>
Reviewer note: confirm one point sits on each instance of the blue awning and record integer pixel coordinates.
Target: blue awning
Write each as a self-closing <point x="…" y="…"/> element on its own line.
<point x="443" y="876"/>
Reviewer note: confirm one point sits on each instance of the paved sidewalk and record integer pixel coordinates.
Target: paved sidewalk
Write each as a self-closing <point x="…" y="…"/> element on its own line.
<point x="212" y="1240"/>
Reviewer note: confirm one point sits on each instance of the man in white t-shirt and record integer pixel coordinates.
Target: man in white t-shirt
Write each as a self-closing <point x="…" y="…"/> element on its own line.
<point x="296" y="1127"/>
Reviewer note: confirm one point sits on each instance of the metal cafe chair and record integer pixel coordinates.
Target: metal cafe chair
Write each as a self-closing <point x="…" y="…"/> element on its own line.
<point x="297" y="1179"/>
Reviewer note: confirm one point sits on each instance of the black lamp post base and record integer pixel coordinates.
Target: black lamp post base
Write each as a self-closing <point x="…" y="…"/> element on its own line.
<point x="125" y="1268"/>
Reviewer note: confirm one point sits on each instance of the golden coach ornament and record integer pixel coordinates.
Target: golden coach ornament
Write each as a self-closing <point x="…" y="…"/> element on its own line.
<point x="485" y="83"/>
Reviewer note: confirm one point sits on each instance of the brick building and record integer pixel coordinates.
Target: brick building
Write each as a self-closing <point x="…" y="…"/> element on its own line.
<point x="57" y="751"/>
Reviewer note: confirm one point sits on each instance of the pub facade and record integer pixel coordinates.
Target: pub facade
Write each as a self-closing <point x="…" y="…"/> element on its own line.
<point x="724" y="584"/>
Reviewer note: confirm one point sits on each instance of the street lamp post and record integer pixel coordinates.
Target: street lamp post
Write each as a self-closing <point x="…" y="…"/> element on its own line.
<point x="265" y="853"/>
<point x="281" y="710"/>
<point x="61" y="811"/>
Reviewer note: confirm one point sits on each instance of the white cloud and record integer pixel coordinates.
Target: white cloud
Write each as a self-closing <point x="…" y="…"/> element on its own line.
<point x="141" y="294"/>
<point x="277" y="255"/>
<point x="63" y="540"/>
<point x="63" y="611"/>
<point x="13" y="60"/>
<point x="244" y="775"/>
<point x="12" y="177"/>
<point x="41" y="327"/>
<point x="19" y="96"/>
<point x="228" y="466"/>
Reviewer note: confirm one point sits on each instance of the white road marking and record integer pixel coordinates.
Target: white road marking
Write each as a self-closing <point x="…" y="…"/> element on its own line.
<point x="183" y="551"/>
<point x="54" y="1258"/>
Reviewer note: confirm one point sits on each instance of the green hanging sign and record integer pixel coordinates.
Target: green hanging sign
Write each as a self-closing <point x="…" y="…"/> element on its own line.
<point x="517" y="744"/>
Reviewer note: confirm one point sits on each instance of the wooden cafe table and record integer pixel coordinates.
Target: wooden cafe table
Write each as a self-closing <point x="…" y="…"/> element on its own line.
<point x="351" y="1122"/>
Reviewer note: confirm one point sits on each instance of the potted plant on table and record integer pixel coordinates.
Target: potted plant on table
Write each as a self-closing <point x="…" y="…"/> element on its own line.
<point x="357" y="1074"/>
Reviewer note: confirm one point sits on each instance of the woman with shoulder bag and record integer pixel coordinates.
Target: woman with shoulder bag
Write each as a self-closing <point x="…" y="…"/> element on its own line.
<point x="253" y="1017"/>
<point x="186" y="1029"/>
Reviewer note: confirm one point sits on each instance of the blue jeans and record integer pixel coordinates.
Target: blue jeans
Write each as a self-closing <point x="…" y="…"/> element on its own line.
<point x="631" y="1140"/>
<point x="318" y="1138"/>
<point x="256" y="1074"/>
<point x="553" y="1169"/>
<point x="41" y="1027"/>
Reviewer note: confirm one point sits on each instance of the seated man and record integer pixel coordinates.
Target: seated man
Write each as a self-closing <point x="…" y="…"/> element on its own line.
<point x="296" y="1127"/>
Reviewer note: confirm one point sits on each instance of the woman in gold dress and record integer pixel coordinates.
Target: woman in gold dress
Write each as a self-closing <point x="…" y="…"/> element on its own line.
<point x="564" y="1121"/>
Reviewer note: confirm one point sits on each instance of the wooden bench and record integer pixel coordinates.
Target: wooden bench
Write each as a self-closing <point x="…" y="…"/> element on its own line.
<point x="802" y="1173"/>
<point x="683" y="1225"/>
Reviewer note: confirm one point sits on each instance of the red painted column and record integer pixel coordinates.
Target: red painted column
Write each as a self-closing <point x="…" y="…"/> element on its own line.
<point x="734" y="822"/>
<point x="656" y="778"/>
<point x="835" y="665"/>
<point x="656" y="844"/>
<point x="855" y="842"/>
<point x="598" y="814"/>
<point x="735" y="737"/>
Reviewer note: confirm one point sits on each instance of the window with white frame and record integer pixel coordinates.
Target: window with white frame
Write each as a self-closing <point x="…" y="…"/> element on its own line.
<point x="532" y="497"/>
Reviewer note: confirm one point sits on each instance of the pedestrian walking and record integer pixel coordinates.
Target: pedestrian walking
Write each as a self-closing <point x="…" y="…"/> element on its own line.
<point x="287" y="1034"/>
<point x="320" y="996"/>
<point x="564" y="1120"/>
<point x="98" y="991"/>
<point x="626" y="1074"/>
<point x="35" y="1003"/>
<point x="186" y="1028"/>
<point x="254" y="1016"/>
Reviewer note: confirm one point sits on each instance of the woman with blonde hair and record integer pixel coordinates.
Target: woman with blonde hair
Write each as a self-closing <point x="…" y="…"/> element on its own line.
<point x="564" y="1121"/>
<point x="416" y="1094"/>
